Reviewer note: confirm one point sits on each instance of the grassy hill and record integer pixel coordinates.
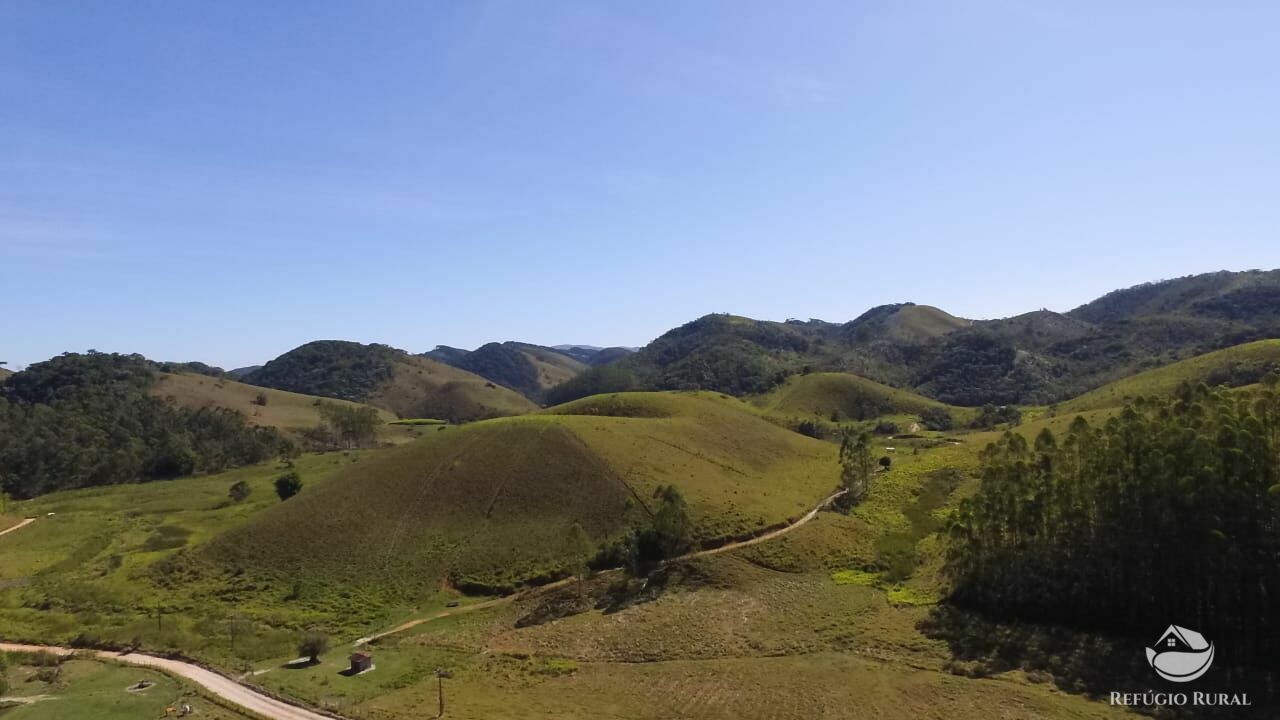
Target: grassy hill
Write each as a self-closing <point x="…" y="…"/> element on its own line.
<point x="852" y="397"/>
<point x="1234" y="366"/>
<point x="382" y="376"/>
<point x="491" y="504"/>
<point x="286" y="411"/>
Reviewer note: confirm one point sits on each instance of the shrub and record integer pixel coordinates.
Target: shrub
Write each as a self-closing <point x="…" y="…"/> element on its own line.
<point x="288" y="485"/>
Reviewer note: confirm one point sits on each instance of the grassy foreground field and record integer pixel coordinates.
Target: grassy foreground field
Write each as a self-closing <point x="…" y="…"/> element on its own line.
<point x="101" y="691"/>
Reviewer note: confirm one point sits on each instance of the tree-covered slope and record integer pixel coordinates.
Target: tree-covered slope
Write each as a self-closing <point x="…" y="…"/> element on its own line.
<point x="93" y="419"/>
<point x="408" y="385"/>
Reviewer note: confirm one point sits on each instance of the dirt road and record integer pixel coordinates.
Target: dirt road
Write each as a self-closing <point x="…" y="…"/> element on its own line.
<point x="223" y="687"/>
<point x="19" y="526"/>
<point x="269" y="707"/>
<point x="566" y="581"/>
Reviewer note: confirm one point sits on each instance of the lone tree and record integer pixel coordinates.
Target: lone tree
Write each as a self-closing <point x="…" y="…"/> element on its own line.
<point x="886" y="462"/>
<point x="239" y="492"/>
<point x="312" y="645"/>
<point x="288" y="485"/>
<point x="578" y="548"/>
<point x="856" y="467"/>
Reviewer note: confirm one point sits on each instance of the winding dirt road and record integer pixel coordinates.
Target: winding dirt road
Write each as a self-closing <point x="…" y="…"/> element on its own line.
<point x="269" y="707"/>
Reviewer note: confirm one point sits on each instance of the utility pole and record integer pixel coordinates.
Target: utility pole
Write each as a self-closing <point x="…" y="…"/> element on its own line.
<point x="441" y="674"/>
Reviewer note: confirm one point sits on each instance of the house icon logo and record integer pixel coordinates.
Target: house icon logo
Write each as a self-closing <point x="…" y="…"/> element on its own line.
<point x="1181" y="655"/>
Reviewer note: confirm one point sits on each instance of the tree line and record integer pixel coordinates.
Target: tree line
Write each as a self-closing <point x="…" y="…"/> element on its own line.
<point x="89" y="419"/>
<point x="1166" y="513"/>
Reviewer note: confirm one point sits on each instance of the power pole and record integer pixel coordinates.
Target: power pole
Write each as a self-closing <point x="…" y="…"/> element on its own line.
<point x="441" y="674"/>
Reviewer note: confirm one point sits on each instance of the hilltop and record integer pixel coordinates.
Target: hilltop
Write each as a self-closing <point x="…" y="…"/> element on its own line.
<point x="471" y="504"/>
<point x="409" y="386"/>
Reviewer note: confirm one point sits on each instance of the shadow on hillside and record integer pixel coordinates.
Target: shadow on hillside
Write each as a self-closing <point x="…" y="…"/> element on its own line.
<point x="1085" y="663"/>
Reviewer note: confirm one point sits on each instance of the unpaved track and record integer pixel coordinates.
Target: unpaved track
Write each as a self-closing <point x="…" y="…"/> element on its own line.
<point x="220" y="685"/>
<point x="19" y="526"/>
<point x="269" y="707"/>
<point x="566" y="581"/>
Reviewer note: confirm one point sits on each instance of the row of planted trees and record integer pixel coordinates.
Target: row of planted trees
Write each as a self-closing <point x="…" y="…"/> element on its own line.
<point x="1166" y="513"/>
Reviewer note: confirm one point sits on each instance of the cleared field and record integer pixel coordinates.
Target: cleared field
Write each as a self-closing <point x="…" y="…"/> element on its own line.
<point x="1239" y="365"/>
<point x="102" y="691"/>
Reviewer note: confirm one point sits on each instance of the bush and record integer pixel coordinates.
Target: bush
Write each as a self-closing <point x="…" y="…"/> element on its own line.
<point x="239" y="492"/>
<point x="288" y="485"/>
<point x="936" y="418"/>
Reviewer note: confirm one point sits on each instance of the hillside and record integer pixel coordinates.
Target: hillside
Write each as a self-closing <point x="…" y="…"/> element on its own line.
<point x="1037" y="357"/>
<point x="5" y="373"/>
<point x="847" y="396"/>
<point x="1235" y="366"/>
<point x="528" y="369"/>
<point x="490" y="504"/>
<point x="382" y="376"/>
<point x="286" y="411"/>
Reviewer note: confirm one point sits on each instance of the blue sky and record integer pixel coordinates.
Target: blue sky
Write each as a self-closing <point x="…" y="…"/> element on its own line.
<point x="225" y="181"/>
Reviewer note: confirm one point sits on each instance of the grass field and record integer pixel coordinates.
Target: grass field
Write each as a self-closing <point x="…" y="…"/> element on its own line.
<point x="422" y="387"/>
<point x="770" y="631"/>
<point x="822" y="397"/>
<point x="101" y="691"/>
<point x="289" y="412"/>
<point x="91" y="566"/>
<point x="491" y="504"/>
<point x="1237" y="365"/>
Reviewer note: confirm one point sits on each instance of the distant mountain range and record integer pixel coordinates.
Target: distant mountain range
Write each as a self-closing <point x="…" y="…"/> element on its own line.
<point x="1037" y="357"/>
<point x="1034" y="358"/>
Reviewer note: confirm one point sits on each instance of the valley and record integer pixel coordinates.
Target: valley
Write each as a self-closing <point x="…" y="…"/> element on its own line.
<point x="636" y="553"/>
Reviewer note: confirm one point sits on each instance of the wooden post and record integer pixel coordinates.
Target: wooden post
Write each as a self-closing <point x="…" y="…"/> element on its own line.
<point x="440" y="688"/>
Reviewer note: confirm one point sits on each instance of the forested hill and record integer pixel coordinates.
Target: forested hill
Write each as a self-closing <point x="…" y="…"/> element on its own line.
<point x="526" y="368"/>
<point x="389" y="378"/>
<point x="1037" y="357"/>
<point x="80" y="420"/>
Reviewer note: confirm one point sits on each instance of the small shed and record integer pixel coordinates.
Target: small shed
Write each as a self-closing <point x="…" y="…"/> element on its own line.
<point x="360" y="662"/>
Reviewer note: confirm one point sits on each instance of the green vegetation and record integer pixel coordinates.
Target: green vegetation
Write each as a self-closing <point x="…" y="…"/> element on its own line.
<point x="419" y="421"/>
<point x="1233" y="367"/>
<point x="293" y="414"/>
<point x="389" y="379"/>
<point x="82" y="420"/>
<point x="856" y="469"/>
<point x="288" y="485"/>
<point x="487" y="505"/>
<point x="313" y="645"/>
<point x="844" y="397"/>
<point x="1157" y="514"/>
<point x="49" y="688"/>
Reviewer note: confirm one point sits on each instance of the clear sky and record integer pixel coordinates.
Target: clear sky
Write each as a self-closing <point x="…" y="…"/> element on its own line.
<point x="223" y="181"/>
